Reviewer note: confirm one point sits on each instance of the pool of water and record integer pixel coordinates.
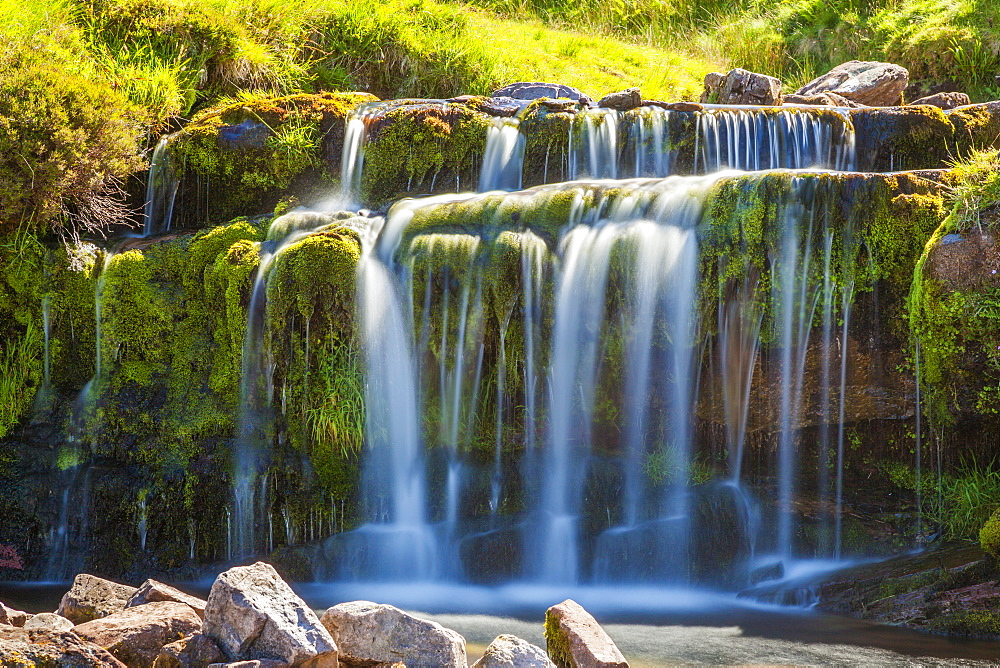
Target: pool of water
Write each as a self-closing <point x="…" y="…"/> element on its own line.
<point x="652" y="626"/>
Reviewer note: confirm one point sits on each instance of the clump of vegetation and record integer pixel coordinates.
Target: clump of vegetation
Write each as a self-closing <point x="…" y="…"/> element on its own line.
<point x="989" y="535"/>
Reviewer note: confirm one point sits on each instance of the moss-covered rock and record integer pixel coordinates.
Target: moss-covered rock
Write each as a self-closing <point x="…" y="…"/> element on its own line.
<point x="422" y="147"/>
<point x="242" y="157"/>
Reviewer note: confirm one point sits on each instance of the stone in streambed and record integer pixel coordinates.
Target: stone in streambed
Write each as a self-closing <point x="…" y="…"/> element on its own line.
<point x="873" y="84"/>
<point x="92" y="597"/>
<point x="252" y="663"/>
<point x="371" y="633"/>
<point x="574" y="639"/>
<point x="622" y="101"/>
<point x="12" y="617"/>
<point x="944" y="100"/>
<point x="136" y="635"/>
<point x="195" y="651"/>
<point x="826" y="99"/>
<point x="508" y="651"/>
<point x="38" y="647"/>
<point x="49" y="621"/>
<point x="253" y="614"/>
<point x="534" y="90"/>
<point x="739" y="86"/>
<point x="152" y="591"/>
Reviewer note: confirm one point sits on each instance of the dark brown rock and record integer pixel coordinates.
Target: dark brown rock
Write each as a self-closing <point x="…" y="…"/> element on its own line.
<point x="28" y="647"/>
<point x="92" y="597"/>
<point x="871" y="83"/>
<point x="152" y="591"/>
<point x="195" y="651"/>
<point x="136" y="635"/>
<point x="574" y="639"/>
<point x="945" y="100"/>
<point x="673" y="106"/>
<point x="740" y="86"/>
<point x="622" y="100"/>
<point x="966" y="262"/>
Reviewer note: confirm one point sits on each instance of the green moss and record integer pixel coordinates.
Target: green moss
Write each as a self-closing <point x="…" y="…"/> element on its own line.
<point x="974" y="623"/>
<point x="280" y="147"/>
<point x="556" y="643"/>
<point x="546" y="144"/>
<point x="989" y="536"/>
<point x="422" y="148"/>
<point x="900" y="138"/>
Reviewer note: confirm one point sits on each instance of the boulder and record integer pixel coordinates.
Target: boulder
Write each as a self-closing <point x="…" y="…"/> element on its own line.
<point x="152" y="591"/>
<point x="494" y="106"/>
<point x="136" y="635"/>
<point x="622" y="100"/>
<point x="871" y="83"/>
<point x="739" y="86"/>
<point x="253" y="663"/>
<point x="574" y="639"/>
<point x="37" y="647"/>
<point x="92" y="597"/>
<point x="533" y="90"/>
<point x="826" y="99"/>
<point x="945" y="100"/>
<point x="369" y="633"/>
<point x="195" y="651"/>
<point x="12" y="617"/>
<point x="253" y="614"/>
<point x="507" y="651"/>
<point x="49" y="621"/>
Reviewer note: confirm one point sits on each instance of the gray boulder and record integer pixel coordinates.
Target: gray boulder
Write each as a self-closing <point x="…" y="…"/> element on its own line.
<point x="622" y="100"/>
<point x="739" y="86"/>
<point x="92" y="597"/>
<point x="253" y="614"/>
<point x="945" y="100"/>
<point x="507" y="651"/>
<point x="872" y="84"/>
<point x="368" y="633"/>
<point x="533" y="90"/>
<point x="152" y="591"/>
<point x="195" y="651"/>
<point x="49" y="621"/>
<point x="574" y="639"/>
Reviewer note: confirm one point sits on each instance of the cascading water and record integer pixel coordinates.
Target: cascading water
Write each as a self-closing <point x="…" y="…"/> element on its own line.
<point x="503" y="162"/>
<point x="161" y="190"/>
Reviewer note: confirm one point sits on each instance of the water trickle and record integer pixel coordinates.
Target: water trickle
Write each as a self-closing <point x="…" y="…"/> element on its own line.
<point x="593" y="144"/>
<point x="161" y="190"/>
<point x="503" y="161"/>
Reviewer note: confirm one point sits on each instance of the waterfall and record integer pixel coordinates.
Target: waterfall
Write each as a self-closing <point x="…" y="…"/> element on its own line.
<point x="503" y="161"/>
<point x="161" y="190"/>
<point x="593" y="144"/>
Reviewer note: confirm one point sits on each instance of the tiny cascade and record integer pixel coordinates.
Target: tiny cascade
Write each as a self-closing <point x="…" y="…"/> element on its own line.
<point x="161" y="190"/>
<point x="593" y="144"/>
<point x="503" y="162"/>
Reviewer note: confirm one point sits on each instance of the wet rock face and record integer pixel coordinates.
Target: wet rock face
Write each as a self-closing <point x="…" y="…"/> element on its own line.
<point x="370" y="633"/>
<point x="253" y="614"/>
<point x="136" y="635"/>
<point x="944" y="100"/>
<point x="508" y="651"/>
<point x="35" y="647"/>
<point x="574" y="639"/>
<point x="533" y="90"/>
<point x="740" y="86"/>
<point x="871" y="83"/>
<point x="965" y="262"/>
<point x="92" y="597"/>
